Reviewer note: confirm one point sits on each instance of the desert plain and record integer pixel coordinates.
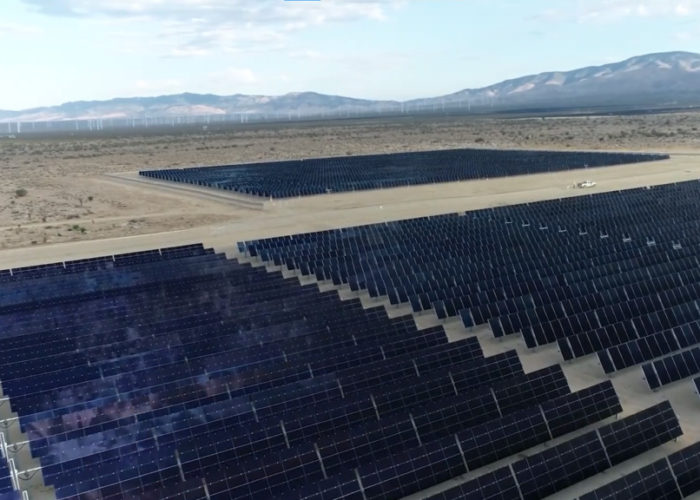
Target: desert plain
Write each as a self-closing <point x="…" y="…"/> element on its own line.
<point x="60" y="188"/>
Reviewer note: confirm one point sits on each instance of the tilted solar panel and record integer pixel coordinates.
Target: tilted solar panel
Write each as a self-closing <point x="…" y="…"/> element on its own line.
<point x="672" y="368"/>
<point x="568" y="413"/>
<point x="685" y="465"/>
<point x="640" y="432"/>
<point x="497" y="485"/>
<point x="652" y="481"/>
<point x="556" y="468"/>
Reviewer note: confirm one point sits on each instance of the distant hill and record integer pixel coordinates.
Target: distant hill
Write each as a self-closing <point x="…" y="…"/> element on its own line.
<point x="656" y="80"/>
<point x="669" y="79"/>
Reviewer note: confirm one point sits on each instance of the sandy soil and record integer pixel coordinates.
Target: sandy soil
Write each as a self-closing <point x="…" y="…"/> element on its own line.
<point x="68" y="197"/>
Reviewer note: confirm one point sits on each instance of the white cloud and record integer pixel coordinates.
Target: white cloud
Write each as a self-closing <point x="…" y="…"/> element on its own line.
<point x="15" y="29"/>
<point x="236" y="76"/>
<point x="380" y="60"/>
<point x="682" y="10"/>
<point x="225" y="81"/>
<point x="191" y="28"/>
<point x="605" y="11"/>
<point x="188" y="52"/>
<point x="159" y="86"/>
<point x="242" y="11"/>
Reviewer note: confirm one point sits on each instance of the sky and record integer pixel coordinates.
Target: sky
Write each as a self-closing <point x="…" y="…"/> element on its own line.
<point x="56" y="51"/>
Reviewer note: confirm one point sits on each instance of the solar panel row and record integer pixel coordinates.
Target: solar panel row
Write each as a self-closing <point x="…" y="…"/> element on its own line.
<point x="105" y="262"/>
<point x="431" y="463"/>
<point x="672" y="368"/>
<point x="638" y="351"/>
<point x="563" y="465"/>
<point x="674" y="477"/>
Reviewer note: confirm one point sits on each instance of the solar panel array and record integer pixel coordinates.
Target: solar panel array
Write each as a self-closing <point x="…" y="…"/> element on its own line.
<point x="669" y="478"/>
<point x="176" y="373"/>
<point x="354" y="173"/>
<point x="614" y="273"/>
<point x="672" y="368"/>
<point x="565" y="464"/>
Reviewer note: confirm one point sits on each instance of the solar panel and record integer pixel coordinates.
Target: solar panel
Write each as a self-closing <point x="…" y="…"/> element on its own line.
<point x="471" y="448"/>
<point x="488" y="442"/>
<point x="537" y="386"/>
<point x="686" y="468"/>
<point x="350" y="449"/>
<point x="413" y="470"/>
<point x="568" y="413"/>
<point x="484" y="280"/>
<point x="497" y="485"/>
<point x="652" y="481"/>
<point x="650" y="376"/>
<point x="672" y="368"/>
<point x="560" y="466"/>
<point x="342" y="486"/>
<point x="676" y="476"/>
<point x="565" y="464"/>
<point x="643" y="349"/>
<point x="605" y="361"/>
<point x="640" y="432"/>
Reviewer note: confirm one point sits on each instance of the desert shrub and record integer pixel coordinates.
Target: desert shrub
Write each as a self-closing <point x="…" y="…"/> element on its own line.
<point x="19" y="193"/>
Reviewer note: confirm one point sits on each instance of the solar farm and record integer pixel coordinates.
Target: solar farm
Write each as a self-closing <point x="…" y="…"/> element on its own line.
<point x="442" y="325"/>
<point x="358" y="173"/>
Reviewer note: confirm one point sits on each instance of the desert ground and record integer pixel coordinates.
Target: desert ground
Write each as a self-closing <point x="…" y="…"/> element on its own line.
<point x="56" y="189"/>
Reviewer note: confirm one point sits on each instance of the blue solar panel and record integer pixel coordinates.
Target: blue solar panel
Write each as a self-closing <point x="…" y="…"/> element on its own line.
<point x="640" y="432"/>
<point x="556" y="468"/>
<point x="497" y="485"/>
<point x="561" y="466"/>
<point x="654" y="481"/>
<point x="568" y="413"/>
<point x="647" y="348"/>
<point x="672" y="368"/>
<point x="685" y="465"/>
<point x="673" y="477"/>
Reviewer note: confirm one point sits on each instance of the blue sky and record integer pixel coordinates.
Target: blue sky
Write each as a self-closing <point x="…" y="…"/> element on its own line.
<point x="56" y="51"/>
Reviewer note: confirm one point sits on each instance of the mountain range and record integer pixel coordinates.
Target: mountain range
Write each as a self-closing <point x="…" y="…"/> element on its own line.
<point x="663" y="80"/>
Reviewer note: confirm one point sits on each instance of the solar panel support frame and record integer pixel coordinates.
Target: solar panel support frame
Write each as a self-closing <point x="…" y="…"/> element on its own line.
<point x="605" y="450"/>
